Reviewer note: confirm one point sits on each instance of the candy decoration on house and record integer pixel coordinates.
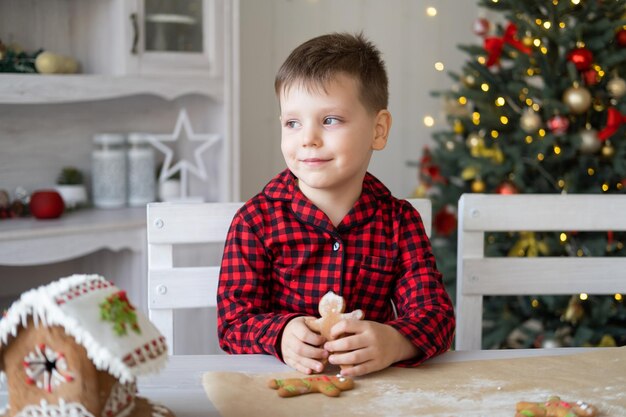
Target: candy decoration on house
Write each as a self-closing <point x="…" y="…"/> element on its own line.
<point x="61" y="356"/>
<point x="184" y="167"/>
<point x="46" y="368"/>
<point x="118" y="310"/>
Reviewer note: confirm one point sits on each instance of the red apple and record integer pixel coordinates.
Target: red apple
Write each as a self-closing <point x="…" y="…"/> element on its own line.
<point x="46" y="204"/>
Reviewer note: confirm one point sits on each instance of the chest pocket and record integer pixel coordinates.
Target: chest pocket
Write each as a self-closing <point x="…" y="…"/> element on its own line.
<point x="376" y="272"/>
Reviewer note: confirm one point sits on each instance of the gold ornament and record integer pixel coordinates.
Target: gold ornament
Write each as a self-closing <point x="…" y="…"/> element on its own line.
<point x="420" y="191"/>
<point x="577" y="99"/>
<point x="589" y="142"/>
<point x="469" y="80"/>
<point x="452" y="107"/>
<point x="616" y="87"/>
<point x="608" y="150"/>
<point x="458" y="127"/>
<point x="530" y="121"/>
<point x="607" y="341"/>
<point x="528" y="245"/>
<point x="574" y="311"/>
<point x="598" y="105"/>
<point x="474" y="140"/>
<point x="469" y="173"/>
<point x="478" y="186"/>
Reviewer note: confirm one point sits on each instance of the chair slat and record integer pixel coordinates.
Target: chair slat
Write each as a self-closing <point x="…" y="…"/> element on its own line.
<point x="190" y="287"/>
<point x="546" y="276"/>
<point x="543" y="212"/>
<point x="179" y="223"/>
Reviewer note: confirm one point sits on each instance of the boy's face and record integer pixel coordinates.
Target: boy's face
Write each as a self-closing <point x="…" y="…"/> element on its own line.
<point x="328" y="135"/>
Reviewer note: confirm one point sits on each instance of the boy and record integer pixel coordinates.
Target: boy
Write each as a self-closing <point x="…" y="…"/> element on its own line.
<point x="326" y="224"/>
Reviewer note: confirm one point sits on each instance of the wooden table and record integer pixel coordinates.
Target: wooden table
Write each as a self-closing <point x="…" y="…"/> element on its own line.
<point x="179" y="385"/>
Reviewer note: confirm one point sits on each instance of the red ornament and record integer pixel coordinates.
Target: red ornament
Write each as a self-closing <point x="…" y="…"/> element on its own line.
<point x="620" y="37"/>
<point x="444" y="222"/>
<point x="558" y="125"/>
<point x="481" y="26"/>
<point x="614" y="120"/>
<point x="494" y="45"/>
<point x="46" y="204"/>
<point x="507" y="188"/>
<point x="591" y="77"/>
<point x="430" y="173"/>
<point x="581" y="57"/>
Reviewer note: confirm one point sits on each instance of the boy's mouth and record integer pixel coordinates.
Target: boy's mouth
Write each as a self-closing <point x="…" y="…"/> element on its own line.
<point x="314" y="160"/>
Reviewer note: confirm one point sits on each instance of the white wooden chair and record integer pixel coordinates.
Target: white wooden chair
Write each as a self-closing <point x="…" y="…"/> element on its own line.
<point x="478" y="276"/>
<point x="172" y="287"/>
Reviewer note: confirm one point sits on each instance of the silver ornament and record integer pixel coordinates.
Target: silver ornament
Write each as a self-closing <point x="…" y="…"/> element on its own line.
<point x="530" y="121"/>
<point x="616" y="87"/>
<point x="577" y="99"/>
<point x="589" y="142"/>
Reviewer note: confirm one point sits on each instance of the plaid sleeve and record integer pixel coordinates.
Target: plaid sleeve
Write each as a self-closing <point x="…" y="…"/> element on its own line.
<point x="245" y="321"/>
<point x="425" y="311"/>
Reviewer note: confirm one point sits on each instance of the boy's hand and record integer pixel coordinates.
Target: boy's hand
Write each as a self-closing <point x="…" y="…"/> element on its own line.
<point x="301" y="348"/>
<point x="369" y="346"/>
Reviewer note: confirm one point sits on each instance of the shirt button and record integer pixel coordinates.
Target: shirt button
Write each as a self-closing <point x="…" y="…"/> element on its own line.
<point x="336" y="246"/>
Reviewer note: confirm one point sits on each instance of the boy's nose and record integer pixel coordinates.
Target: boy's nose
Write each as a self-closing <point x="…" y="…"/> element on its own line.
<point x="311" y="137"/>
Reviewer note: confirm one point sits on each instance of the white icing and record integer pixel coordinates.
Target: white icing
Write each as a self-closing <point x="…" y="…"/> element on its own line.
<point x="124" y="357"/>
<point x="35" y="366"/>
<point x="63" y="409"/>
<point x="158" y="410"/>
<point x="121" y="400"/>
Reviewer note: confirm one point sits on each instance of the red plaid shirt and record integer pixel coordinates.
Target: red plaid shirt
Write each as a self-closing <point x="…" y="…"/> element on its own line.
<point x="283" y="254"/>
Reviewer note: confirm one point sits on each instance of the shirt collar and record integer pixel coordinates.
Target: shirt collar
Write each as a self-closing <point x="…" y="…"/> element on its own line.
<point x="284" y="187"/>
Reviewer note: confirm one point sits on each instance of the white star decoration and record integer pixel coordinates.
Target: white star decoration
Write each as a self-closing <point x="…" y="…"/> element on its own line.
<point x="183" y="166"/>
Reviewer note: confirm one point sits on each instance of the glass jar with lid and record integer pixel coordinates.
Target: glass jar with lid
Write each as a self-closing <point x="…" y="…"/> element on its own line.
<point x="108" y="170"/>
<point x="141" y="170"/>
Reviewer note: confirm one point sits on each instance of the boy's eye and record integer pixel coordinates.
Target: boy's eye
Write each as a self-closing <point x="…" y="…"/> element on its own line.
<point x="331" y="121"/>
<point x="292" y="124"/>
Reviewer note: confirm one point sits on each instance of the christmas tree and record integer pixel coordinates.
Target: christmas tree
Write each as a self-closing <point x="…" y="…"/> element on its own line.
<point x="539" y="107"/>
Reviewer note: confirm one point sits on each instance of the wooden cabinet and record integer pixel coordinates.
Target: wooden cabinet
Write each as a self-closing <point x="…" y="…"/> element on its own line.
<point x="182" y="51"/>
<point x="182" y="37"/>
<point x="123" y="47"/>
<point x="48" y="121"/>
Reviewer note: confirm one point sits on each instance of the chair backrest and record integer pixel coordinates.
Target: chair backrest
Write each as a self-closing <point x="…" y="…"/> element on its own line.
<point x="172" y="287"/>
<point x="478" y="276"/>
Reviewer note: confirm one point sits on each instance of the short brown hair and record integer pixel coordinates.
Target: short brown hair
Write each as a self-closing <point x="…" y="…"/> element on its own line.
<point x="318" y="61"/>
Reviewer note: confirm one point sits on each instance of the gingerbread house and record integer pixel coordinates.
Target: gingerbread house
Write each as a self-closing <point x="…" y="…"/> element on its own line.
<point x="75" y="348"/>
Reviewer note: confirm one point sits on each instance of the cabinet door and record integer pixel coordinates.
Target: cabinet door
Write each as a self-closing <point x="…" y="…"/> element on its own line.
<point x="174" y="36"/>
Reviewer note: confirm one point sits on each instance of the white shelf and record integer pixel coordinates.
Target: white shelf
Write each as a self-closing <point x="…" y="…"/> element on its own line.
<point x="50" y="89"/>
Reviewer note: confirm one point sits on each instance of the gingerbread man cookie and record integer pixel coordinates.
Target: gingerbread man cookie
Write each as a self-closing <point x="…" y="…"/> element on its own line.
<point x="331" y="310"/>
<point x="554" y="407"/>
<point x="330" y="386"/>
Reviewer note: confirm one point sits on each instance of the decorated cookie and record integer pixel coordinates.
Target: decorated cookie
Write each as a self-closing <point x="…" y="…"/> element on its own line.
<point x="330" y="386"/>
<point x="555" y="407"/>
<point x="331" y="310"/>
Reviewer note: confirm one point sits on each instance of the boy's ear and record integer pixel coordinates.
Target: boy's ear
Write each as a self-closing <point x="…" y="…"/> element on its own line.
<point x="381" y="129"/>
